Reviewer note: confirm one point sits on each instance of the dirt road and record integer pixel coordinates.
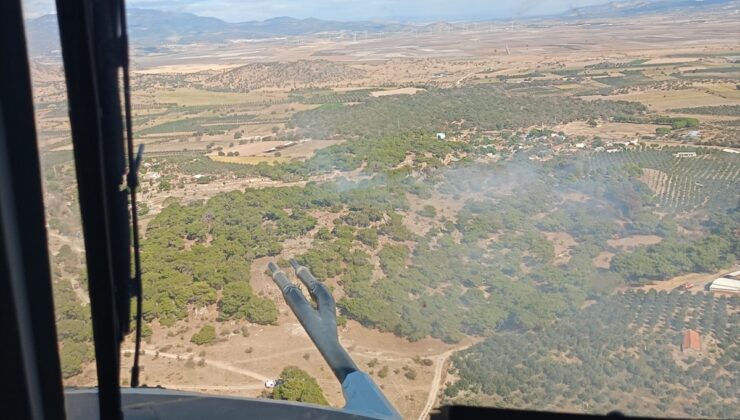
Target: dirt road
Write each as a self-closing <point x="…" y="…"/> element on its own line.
<point x="215" y="363"/>
<point x="439" y="364"/>
<point x="226" y="388"/>
<point x="463" y="78"/>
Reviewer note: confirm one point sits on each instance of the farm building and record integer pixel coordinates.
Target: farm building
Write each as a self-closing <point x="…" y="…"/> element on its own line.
<point x="725" y="285"/>
<point x="684" y="154"/>
<point x="733" y="151"/>
<point x="691" y="341"/>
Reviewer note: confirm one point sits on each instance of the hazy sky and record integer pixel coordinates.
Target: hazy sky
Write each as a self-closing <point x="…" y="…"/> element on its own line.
<point x="243" y="10"/>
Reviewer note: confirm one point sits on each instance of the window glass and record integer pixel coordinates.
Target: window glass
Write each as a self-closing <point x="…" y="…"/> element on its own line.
<point x="531" y="205"/>
<point x="64" y="229"/>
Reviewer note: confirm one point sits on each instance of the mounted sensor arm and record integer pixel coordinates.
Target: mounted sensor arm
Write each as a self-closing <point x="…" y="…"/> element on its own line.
<point x="360" y="392"/>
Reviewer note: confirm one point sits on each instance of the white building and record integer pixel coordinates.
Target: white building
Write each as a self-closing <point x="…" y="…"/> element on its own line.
<point x="634" y="142"/>
<point x="441" y="136"/>
<point x="270" y="383"/>
<point x="693" y="133"/>
<point x="580" y="145"/>
<point x="725" y="285"/>
<point x="731" y="151"/>
<point x="684" y="154"/>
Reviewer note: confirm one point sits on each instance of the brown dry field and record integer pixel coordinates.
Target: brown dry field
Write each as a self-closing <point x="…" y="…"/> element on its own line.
<point x="629" y="243"/>
<point x="607" y="130"/>
<point x="301" y="150"/>
<point x="662" y="100"/>
<point x="239" y="365"/>
<point x="482" y="46"/>
<point x="192" y="191"/>
<point x="399" y="91"/>
<point x="603" y="260"/>
<point x="251" y="160"/>
<point x="563" y="243"/>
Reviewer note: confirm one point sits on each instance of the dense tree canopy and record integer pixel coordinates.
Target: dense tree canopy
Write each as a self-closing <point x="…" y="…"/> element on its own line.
<point x="479" y="107"/>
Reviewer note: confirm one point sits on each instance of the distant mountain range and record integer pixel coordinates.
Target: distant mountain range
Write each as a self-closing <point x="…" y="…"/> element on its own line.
<point x="156" y="26"/>
<point x="152" y="29"/>
<point x="642" y="7"/>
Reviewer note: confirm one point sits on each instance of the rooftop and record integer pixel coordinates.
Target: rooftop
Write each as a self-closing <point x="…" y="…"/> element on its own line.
<point x="726" y="283"/>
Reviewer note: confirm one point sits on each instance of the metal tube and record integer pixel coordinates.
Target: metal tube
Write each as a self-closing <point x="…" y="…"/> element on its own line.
<point x="361" y="394"/>
<point x="321" y="324"/>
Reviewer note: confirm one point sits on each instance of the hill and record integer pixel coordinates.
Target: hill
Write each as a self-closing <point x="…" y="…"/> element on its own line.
<point x="150" y="29"/>
<point x="293" y="74"/>
<point x="642" y="7"/>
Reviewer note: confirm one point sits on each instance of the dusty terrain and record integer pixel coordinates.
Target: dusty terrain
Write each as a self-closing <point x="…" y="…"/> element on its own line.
<point x="239" y="365"/>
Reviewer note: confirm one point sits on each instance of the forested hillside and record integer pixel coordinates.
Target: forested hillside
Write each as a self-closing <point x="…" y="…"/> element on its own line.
<point x="482" y="107"/>
<point x="484" y="262"/>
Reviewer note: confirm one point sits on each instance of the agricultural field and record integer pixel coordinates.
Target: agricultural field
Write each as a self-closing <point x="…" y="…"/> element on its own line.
<point x="647" y="324"/>
<point x="251" y="160"/>
<point x="662" y="100"/>
<point x="681" y="184"/>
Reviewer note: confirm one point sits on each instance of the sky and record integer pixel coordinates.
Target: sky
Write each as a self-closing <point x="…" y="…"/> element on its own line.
<point x="411" y="10"/>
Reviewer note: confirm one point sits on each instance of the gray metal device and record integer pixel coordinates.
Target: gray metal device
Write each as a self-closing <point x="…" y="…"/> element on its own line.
<point x="361" y="394"/>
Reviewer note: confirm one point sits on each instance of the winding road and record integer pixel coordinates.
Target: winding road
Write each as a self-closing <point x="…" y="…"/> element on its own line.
<point x="439" y="364"/>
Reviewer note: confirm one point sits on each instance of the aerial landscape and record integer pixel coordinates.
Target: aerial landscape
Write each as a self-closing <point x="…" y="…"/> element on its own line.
<point x="525" y="213"/>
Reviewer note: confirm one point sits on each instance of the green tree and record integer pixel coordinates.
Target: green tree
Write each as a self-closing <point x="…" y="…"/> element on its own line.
<point x="428" y="211"/>
<point x="206" y="335"/>
<point x="72" y="357"/>
<point x="239" y="302"/>
<point x="235" y="300"/>
<point x="368" y="237"/>
<point x="262" y="311"/>
<point x="297" y="385"/>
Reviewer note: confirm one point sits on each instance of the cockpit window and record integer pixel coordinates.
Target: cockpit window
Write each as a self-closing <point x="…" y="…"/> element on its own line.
<point x="63" y="225"/>
<point x="529" y="206"/>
